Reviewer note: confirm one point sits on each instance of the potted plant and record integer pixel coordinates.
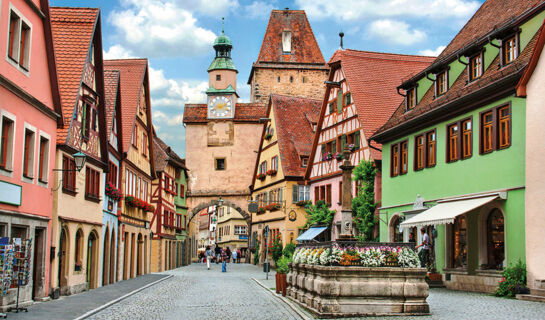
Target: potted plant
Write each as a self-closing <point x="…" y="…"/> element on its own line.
<point x="261" y="176"/>
<point x="282" y="268"/>
<point x="271" y="172"/>
<point x="327" y="156"/>
<point x="112" y="192"/>
<point x="268" y="136"/>
<point x="339" y="156"/>
<point x="302" y="203"/>
<point x="352" y="147"/>
<point x="260" y="210"/>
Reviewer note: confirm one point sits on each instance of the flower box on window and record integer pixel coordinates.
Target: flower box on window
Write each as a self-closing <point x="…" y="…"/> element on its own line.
<point x="139" y="203"/>
<point x="260" y="210"/>
<point x="261" y="176"/>
<point x="273" y="206"/>
<point x="268" y="136"/>
<point x="113" y="193"/>
<point x="303" y="203"/>
<point x="327" y="156"/>
<point x="352" y="147"/>
<point x="339" y="156"/>
<point x="271" y="172"/>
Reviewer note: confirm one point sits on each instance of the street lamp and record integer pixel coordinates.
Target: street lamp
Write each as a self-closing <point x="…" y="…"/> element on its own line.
<point x="79" y="159"/>
<point x="220" y="201"/>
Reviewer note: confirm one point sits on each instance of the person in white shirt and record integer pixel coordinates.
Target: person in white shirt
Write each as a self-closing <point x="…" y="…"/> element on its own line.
<point x="424" y="253"/>
<point x="234" y="254"/>
<point x="208" y="253"/>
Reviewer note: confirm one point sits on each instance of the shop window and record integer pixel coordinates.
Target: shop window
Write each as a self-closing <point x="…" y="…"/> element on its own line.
<point x="68" y="174"/>
<point x="78" y="257"/>
<point x="495" y="133"/>
<point x="220" y="164"/>
<point x="43" y="160"/>
<point x="459" y="243"/>
<point x="28" y="154"/>
<point x="19" y="232"/>
<point x="495" y="239"/>
<point x="92" y="184"/>
<point x="3" y="230"/>
<point x="19" y="41"/>
<point x="6" y="144"/>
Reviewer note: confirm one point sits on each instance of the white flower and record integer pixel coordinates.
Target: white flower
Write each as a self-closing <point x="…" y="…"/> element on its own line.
<point x="408" y="258"/>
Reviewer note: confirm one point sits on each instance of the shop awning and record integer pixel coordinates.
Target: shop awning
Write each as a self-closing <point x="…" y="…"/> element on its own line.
<point x="311" y="233"/>
<point x="446" y="211"/>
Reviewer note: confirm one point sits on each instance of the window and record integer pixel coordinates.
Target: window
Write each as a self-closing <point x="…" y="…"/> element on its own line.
<point x="339" y="101"/>
<point x="6" y="144"/>
<point x="331" y="107"/>
<point x="431" y="149"/>
<point x="410" y="98"/>
<point x="218" y="77"/>
<point x="495" y="239"/>
<point x="291" y="79"/>
<point x="441" y="83"/>
<point x="404" y="157"/>
<point x="419" y="152"/>
<point x="79" y="250"/>
<point x="86" y="121"/>
<point x="240" y="229"/>
<point x="182" y="191"/>
<point x="135" y="136"/>
<point x="301" y="193"/>
<point x="459" y="243"/>
<point x="28" y="154"/>
<point x="165" y="217"/>
<point x="394" y="171"/>
<point x="68" y="174"/>
<point x="304" y="161"/>
<point x="278" y="79"/>
<point x="466" y="138"/>
<point x="286" y="41"/>
<point x="348" y="99"/>
<point x="144" y="144"/>
<point x="354" y="138"/>
<point x="19" y="41"/>
<point x="328" y="194"/>
<point x="144" y="190"/>
<point x="340" y="191"/>
<point x="94" y="119"/>
<point x="452" y="142"/>
<point x="92" y="184"/>
<point x="274" y="163"/>
<point x="495" y="129"/>
<point x="476" y="67"/>
<point x="509" y="48"/>
<point x="220" y="164"/>
<point x="43" y="161"/>
<point x="263" y="167"/>
<point x="112" y="174"/>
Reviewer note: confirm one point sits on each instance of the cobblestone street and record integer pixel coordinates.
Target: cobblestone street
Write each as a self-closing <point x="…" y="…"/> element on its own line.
<point x="197" y="293"/>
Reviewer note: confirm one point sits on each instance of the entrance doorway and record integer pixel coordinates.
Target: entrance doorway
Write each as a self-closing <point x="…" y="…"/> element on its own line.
<point x="106" y="259"/>
<point x="38" y="264"/>
<point x="92" y="252"/>
<point x="112" y="258"/>
<point x="63" y="265"/>
<point x="139" y="257"/>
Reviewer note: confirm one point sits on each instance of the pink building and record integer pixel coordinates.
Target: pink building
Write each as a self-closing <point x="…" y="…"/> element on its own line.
<point x="360" y="96"/>
<point x="29" y="113"/>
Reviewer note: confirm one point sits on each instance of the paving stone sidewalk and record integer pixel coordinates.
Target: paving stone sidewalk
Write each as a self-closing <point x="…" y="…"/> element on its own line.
<point x="71" y="307"/>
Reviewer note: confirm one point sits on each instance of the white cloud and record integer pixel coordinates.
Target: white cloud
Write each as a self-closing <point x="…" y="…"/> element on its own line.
<point x="431" y="52"/>
<point x="117" y="52"/>
<point x="173" y="92"/>
<point x="396" y="32"/>
<point x="353" y="10"/>
<point x="258" y="9"/>
<point x="164" y="28"/>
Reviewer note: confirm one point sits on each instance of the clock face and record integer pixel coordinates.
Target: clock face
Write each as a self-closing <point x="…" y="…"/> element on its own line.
<point x="220" y="106"/>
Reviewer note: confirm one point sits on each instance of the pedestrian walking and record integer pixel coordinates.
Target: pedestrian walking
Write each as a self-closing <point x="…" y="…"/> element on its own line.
<point x="217" y="250"/>
<point x="424" y="253"/>
<point x="235" y="256"/>
<point x="223" y="260"/>
<point x="239" y="255"/>
<point x="208" y="255"/>
<point x="228" y="254"/>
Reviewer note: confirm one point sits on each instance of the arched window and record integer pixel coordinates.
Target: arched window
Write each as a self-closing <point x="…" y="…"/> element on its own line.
<point x="78" y="257"/>
<point x="396" y="232"/>
<point x="495" y="239"/>
<point x="459" y="243"/>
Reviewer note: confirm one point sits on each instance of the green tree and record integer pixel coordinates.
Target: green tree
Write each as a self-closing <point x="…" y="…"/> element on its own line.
<point x="363" y="205"/>
<point x="289" y="250"/>
<point x="318" y="214"/>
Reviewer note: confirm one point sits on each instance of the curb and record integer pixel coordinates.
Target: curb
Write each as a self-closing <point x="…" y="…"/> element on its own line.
<point x="295" y="308"/>
<point x="104" y="306"/>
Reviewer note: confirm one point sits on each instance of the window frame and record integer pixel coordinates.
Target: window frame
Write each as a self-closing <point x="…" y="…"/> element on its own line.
<point x="216" y="164"/>
<point x="14" y="41"/>
<point x="470" y="77"/>
<point x="144" y="144"/>
<point x="503" y="41"/>
<point x="449" y="157"/>
<point x="8" y="146"/>
<point x="92" y="184"/>
<point x="404" y="157"/>
<point x="417" y="166"/>
<point x="427" y="145"/>
<point x="68" y="175"/>
<point x="347" y="99"/>
<point x="394" y="155"/>
<point x="444" y="73"/>
<point x="460" y="140"/>
<point x="412" y="91"/>
<point x="43" y="158"/>
<point x="495" y="129"/>
<point x="28" y="165"/>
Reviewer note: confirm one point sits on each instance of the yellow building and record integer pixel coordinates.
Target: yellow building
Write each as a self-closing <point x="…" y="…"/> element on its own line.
<point x="278" y="184"/>
<point x="232" y="230"/>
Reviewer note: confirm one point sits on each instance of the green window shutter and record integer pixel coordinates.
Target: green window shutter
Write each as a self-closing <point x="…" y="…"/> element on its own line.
<point x="334" y="146"/>
<point x="357" y="139"/>
<point x="323" y="149"/>
<point x="339" y="101"/>
<point x="294" y="194"/>
<point x="343" y="142"/>
<point x="331" y="107"/>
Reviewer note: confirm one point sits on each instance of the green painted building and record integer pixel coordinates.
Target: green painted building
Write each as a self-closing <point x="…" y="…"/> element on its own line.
<point x="454" y="150"/>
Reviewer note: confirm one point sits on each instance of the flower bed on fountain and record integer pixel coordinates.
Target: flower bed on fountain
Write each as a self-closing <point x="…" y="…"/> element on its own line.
<point x="358" y="279"/>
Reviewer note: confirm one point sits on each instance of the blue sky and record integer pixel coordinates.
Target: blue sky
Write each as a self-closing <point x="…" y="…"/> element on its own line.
<point x="176" y="36"/>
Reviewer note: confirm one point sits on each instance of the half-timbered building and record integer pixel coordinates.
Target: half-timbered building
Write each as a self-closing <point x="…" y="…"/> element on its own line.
<point x="358" y="100"/>
<point x="137" y="167"/>
<point x="77" y="204"/>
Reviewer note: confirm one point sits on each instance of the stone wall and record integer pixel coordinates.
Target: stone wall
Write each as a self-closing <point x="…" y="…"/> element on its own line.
<point x="293" y="82"/>
<point x="340" y="291"/>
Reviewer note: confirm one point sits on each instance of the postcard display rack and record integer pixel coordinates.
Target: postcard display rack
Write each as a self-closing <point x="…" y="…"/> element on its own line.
<point x="14" y="267"/>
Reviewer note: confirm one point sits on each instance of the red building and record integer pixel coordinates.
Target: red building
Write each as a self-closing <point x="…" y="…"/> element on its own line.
<point x="30" y="111"/>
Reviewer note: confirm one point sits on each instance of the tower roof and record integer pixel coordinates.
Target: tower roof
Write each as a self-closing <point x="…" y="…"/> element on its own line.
<point x="223" y="47"/>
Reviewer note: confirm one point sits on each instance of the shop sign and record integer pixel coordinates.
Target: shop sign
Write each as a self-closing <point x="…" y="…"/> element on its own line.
<point x="11" y="193"/>
<point x="243" y="237"/>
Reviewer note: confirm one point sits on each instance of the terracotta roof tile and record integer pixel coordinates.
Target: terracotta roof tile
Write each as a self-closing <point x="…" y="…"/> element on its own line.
<point x="72" y="30"/>
<point x="132" y="72"/>
<point x="492" y="14"/>
<point x="373" y="78"/>
<point x="294" y="130"/>
<point x="111" y="82"/>
<point x="459" y="89"/>
<point x="244" y="112"/>
<point x="163" y="153"/>
<point x="304" y="48"/>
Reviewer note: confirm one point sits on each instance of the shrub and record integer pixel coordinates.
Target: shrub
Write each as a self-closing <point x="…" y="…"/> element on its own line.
<point x="256" y="255"/>
<point x="289" y="249"/>
<point x="513" y="281"/>
<point x="319" y="214"/>
<point x="363" y="205"/>
<point x="282" y="265"/>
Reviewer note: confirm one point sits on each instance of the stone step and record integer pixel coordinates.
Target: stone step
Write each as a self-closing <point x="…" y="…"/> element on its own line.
<point x="538" y="292"/>
<point x="435" y="284"/>
<point x="530" y="297"/>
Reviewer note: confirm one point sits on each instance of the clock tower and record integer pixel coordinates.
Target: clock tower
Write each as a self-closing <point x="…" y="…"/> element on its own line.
<point x="222" y="77"/>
